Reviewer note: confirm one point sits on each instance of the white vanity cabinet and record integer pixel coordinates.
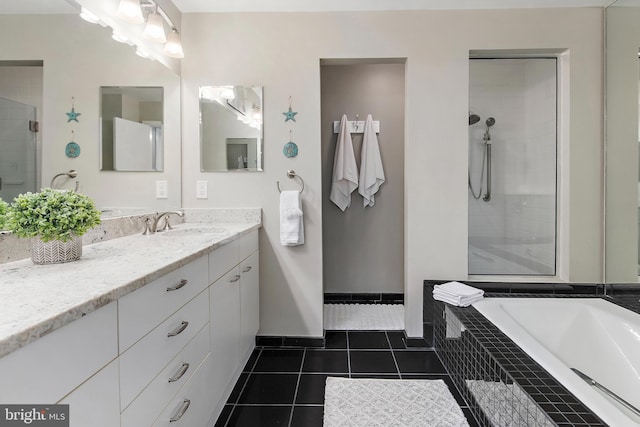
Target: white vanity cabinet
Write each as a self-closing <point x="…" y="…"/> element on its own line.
<point x="234" y="312"/>
<point x="166" y="354"/>
<point x="249" y="302"/>
<point x="163" y="337"/>
<point x="68" y="365"/>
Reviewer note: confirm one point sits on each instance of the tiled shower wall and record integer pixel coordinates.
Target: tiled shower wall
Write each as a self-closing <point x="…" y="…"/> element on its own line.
<point x="514" y="233"/>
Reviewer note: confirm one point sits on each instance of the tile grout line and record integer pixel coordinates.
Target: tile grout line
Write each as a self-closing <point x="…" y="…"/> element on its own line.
<point x="395" y="362"/>
<point x="346" y="333"/>
<point x="295" y="393"/>
<point x="234" y="404"/>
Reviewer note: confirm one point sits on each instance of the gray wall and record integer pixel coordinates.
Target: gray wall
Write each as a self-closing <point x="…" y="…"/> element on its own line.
<point x="363" y="249"/>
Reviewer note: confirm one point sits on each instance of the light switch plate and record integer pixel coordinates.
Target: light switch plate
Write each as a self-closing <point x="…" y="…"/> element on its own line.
<point x="201" y="190"/>
<point x="162" y="190"/>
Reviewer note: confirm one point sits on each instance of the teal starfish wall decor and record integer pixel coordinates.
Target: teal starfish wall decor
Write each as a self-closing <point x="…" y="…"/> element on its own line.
<point x="290" y="115"/>
<point x="72" y="115"/>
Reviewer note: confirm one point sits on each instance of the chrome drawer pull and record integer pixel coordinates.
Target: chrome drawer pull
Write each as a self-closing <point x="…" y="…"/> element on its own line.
<point x="180" y="374"/>
<point x="235" y="279"/>
<point x="183" y="409"/>
<point x="179" y="330"/>
<point x="246" y="270"/>
<point x="178" y="286"/>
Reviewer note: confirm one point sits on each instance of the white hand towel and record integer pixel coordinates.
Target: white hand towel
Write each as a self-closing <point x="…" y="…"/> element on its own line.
<point x="371" y="172"/>
<point x="460" y="302"/>
<point x="345" y="170"/>
<point x="456" y="293"/>
<point x="291" y="219"/>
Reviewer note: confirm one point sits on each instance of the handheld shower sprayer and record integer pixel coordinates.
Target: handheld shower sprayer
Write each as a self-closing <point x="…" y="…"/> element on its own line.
<point x="487" y="136"/>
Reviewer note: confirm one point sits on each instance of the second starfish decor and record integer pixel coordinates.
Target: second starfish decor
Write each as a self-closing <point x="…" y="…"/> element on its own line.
<point x="290" y="149"/>
<point x="290" y="115"/>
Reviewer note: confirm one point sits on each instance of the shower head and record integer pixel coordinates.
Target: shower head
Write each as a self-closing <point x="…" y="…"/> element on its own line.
<point x="72" y="173"/>
<point x="473" y="119"/>
<point x="490" y="122"/>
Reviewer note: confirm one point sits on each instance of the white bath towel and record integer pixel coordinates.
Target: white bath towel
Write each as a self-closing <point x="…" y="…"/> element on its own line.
<point x="291" y="219"/>
<point x="371" y="172"/>
<point x="345" y="171"/>
<point x="456" y="293"/>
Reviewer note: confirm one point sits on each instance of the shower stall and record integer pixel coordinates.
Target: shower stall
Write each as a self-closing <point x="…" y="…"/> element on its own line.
<point x="512" y="166"/>
<point x="18" y="172"/>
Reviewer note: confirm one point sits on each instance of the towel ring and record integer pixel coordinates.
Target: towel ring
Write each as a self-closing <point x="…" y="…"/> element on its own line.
<point x="292" y="174"/>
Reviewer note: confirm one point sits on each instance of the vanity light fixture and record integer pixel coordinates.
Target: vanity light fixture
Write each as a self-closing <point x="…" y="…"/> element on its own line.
<point x="227" y="92"/>
<point x="130" y="11"/>
<point x="154" y="29"/>
<point x="143" y="53"/>
<point x="89" y="16"/>
<point x="173" y="46"/>
<point x="120" y="38"/>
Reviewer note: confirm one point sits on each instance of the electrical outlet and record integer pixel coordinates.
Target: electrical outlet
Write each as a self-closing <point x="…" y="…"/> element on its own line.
<point x="162" y="190"/>
<point x="201" y="190"/>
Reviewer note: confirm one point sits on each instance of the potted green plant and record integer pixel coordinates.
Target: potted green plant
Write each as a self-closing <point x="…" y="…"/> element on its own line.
<point x="55" y="220"/>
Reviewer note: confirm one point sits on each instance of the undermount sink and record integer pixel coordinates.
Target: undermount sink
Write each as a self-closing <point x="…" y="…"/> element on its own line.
<point x="178" y="231"/>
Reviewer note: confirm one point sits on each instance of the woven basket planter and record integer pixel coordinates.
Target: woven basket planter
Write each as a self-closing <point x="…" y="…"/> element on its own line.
<point x="55" y="251"/>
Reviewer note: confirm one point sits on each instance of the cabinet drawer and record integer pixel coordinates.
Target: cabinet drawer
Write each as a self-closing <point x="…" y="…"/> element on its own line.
<point x="95" y="403"/>
<point x="142" y="310"/>
<point x="192" y="406"/>
<point x="144" y="360"/>
<point x="247" y="245"/>
<point x="150" y="403"/>
<point x="222" y="260"/>
<point x="49" y="368"/>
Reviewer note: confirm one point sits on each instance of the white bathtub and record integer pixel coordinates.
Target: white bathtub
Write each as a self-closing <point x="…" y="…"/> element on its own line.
<point x="592" y="335"/>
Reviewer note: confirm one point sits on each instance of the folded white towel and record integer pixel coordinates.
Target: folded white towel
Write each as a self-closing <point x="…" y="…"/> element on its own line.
<point x="345" y="171"/>
<point x="371" y="172"/>
<point x="460" y="301"/>
<point x="291" y="219"/>
<point x="457" y="293"/>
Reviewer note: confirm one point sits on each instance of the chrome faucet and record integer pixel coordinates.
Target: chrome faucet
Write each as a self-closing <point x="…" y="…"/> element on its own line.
<point x="154" y="225"/>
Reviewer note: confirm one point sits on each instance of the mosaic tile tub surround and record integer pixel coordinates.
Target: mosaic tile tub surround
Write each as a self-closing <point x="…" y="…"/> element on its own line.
<point x="500" y="382"/>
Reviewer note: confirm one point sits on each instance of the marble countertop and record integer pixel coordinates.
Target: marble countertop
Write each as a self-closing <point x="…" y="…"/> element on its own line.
<point x="37" y="299"/>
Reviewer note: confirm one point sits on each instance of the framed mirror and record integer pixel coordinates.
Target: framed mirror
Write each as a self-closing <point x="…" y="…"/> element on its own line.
<point x="231" y="137"/>
<point x="131" y="128"/>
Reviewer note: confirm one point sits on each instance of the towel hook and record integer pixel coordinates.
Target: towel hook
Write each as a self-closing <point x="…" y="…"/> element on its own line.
<point x="292" y="174"/>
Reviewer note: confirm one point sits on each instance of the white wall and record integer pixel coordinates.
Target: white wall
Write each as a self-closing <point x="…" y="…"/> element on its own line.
<point x="79" y="58"/>
<point x="282" y="51"/>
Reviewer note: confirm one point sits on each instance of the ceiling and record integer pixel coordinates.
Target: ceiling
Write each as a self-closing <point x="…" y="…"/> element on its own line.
<point x="195" y="6"/>
<point x="199" y="6"/>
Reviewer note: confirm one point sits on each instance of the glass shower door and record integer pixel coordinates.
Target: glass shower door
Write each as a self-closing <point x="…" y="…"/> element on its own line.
<point x="512" y="166"/>
<point x="18" y="171"/>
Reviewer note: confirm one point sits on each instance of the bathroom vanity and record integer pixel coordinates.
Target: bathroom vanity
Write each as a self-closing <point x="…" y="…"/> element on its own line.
<point x="143" y="330"/>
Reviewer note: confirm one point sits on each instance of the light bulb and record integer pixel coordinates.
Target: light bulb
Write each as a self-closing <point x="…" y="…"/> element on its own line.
<point x="154" y="30"/>
<point x="130" y="11"/>
<point x="173" y="46"/>
<point x="88" y="16"/>
<point x="119" y="38"/>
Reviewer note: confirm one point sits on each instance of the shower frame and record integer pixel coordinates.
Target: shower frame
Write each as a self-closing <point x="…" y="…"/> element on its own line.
<point x="562" y="134"/>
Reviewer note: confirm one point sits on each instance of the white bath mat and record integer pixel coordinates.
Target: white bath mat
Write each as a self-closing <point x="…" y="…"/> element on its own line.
<point x="371" y="317"/>
<point x="377" y="402"/>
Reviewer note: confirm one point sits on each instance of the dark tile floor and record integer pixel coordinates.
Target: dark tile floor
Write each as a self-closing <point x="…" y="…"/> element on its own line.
<point x="285" y="386"/>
